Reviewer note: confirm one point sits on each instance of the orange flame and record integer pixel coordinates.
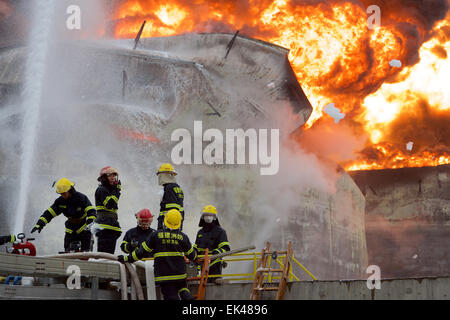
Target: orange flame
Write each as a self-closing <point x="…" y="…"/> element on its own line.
<point x="127" y="133"/>
<point x="338" y="58"/>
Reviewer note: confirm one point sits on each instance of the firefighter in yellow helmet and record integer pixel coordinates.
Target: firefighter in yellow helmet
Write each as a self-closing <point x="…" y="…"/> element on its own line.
<point x="6" y="239"/>
<point x="78" y="210"/>
<point x="173" y="197"/>
<point x="169" y="247"/>
<point x="211" y="236"/>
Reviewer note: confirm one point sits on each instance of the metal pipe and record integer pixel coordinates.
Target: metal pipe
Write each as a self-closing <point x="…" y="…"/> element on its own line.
<point x="230" y="44"/>
<point x="304" y="269"/>
<point x="138" y="36"/>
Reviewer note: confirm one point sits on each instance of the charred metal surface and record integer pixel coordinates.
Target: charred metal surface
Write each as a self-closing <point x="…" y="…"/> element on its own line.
<point x="138" y="36"/>
<point x="408" y="220"/>
<point x="230" y="44"/>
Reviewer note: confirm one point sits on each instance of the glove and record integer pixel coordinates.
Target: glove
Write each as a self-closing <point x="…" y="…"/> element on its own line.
<point x="133" y="244"/>
<point x="119" y="186"/>
<point x="88" y="226"/>
<point x="122" y="259"/>
<point x="37" y="228"/>
<point x="4" y="239"/>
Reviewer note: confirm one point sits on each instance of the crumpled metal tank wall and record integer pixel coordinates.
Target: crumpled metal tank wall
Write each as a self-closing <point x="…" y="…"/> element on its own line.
<point x="326" y="227"/>
<point x="407" y="220"/>
<point x="166" y="84"/>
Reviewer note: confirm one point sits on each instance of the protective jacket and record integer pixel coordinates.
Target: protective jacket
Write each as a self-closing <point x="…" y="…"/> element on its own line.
<point x="134" y="237"/>
<point x="172" y="199"/>
<point x="9" y="238"/>
<point x="169" y="248"/>
<point x="77" y="209"/>
<point x="106" y="202"/>
<point x="213" y="237"/>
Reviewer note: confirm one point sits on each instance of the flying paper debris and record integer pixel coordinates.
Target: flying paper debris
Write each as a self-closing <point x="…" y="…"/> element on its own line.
<point x="334" y="112"/>
<point x="409" y="145"/>
<point x="395" y="63"/>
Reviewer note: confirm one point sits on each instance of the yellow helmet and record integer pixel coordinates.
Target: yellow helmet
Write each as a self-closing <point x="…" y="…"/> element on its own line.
<point x="208" y="215"/>
<point x="172" y="219"/>
<point x="166" y="167"/>
<point x="209" y="209"/>
<point x="63" y="185"/>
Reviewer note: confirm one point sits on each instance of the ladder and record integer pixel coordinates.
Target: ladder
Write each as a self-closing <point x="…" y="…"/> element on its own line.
<point x="262" y="269"/>
<point x="201" y="291"/>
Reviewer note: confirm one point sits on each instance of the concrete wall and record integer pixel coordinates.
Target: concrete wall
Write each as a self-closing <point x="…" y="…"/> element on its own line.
<point x="391" y="289"/>
<point x="398" y="289"/>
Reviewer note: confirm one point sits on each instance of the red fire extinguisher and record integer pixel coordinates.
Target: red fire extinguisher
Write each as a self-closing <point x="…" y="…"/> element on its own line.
<point x="24" y="247"/>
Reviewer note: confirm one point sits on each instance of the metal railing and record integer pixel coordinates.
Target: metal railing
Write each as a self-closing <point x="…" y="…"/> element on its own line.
<point x="255" y="257"/>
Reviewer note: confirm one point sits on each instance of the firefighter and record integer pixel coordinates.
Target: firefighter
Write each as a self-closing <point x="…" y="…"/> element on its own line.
<point x="169" y="247"/>
<point x="135" y="236"/>
<point x="9" y="238"/>
<point x="211" y="236"/>
<point x="78" y="210"/>
<point x="106" y="200"/>
<point x="173" y="196"/>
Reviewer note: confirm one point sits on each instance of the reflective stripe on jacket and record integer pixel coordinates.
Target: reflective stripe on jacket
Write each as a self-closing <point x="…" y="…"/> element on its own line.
<point x="173" y="198"/>
<point x="169" y="247"/>
<point x="214" y="238"/>
<point x="135" y="235"/>
<point x="107" y="205"/>
<point x="77" y="208"/>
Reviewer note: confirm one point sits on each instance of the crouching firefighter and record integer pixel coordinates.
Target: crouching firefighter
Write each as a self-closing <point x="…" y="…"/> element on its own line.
<point x="78" y="210"/>
<point x="106" y="201"/>
<point x="135" y="236"/>
<point x="6" y="239"/>
<point x="169" y="247"/>
<point x="211" y="236"/>
<point x="173" y="196"/>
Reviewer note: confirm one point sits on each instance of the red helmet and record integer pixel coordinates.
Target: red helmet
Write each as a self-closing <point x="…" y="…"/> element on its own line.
<point x="144" y="216"/>
<point x="107" y="170"/>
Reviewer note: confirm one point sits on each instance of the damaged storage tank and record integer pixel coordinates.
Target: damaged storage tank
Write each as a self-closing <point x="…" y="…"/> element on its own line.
<point x="105" y="103"/>
<point x="407" y="218"/>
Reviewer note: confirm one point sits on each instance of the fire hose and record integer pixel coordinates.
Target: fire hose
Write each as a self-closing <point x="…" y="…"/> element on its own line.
<point x="123" y="278"/>
<point x="227" y="253"/>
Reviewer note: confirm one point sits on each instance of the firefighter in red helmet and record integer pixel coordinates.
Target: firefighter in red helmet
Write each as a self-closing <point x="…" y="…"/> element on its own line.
<point x="135" y="236"/>
<point x="169" y="247"/>
<point x="107" y="200"/>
